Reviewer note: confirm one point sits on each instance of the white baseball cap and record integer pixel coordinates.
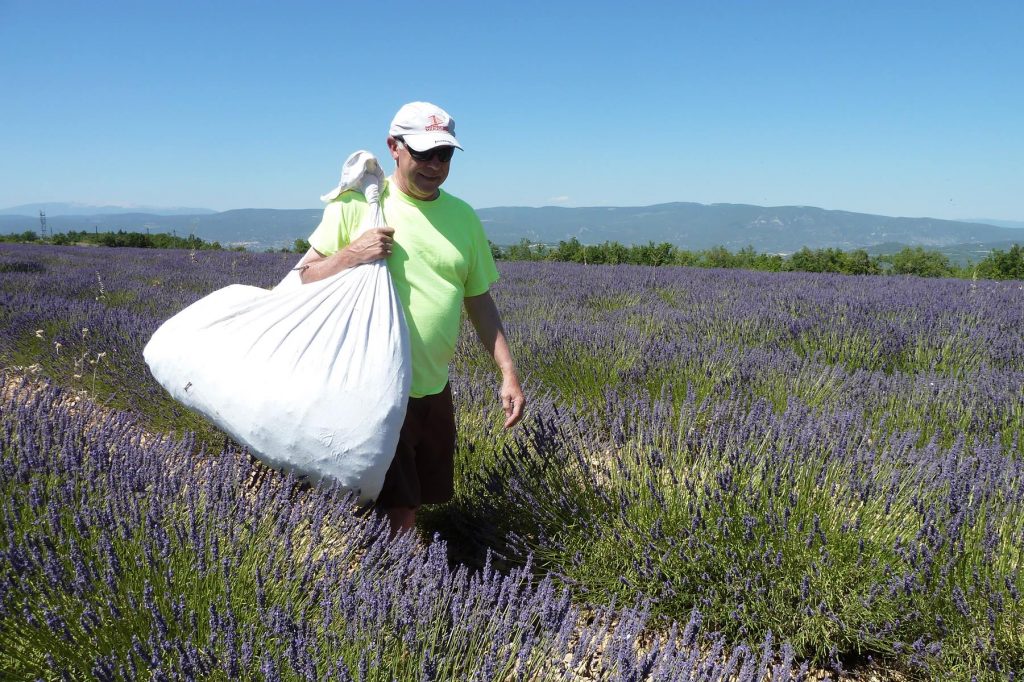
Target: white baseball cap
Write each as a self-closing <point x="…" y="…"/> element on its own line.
<point x="423" y="126"/>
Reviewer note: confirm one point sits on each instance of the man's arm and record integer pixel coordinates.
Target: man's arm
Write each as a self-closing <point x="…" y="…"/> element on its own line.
<point x="370" y="246"/>
<point x="487" y="322"/>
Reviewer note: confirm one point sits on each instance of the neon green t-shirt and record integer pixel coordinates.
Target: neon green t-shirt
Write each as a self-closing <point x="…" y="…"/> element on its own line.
<point x="440" y="256"/>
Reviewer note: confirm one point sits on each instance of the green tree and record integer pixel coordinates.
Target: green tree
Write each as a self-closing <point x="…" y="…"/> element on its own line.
<point x="1003" y="264"/>
<point x="817" y="260"/>
<point x="717" y="257"/>
<point x="568" y="252"/>
<point x="520" y="251"/>
<point x="686" y="258"/>
<point x="616" y="253"/>
<point x="917" y="261"/>
<point x="858" y="262"/>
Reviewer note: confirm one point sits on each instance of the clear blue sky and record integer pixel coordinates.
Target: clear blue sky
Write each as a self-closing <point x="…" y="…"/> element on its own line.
<point x="899" y="108"/>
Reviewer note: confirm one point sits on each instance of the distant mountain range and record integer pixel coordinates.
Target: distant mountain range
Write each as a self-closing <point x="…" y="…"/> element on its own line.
<point x="993" y="221"/>
<point x="63" y="208"/>
<point x="779" y="229"/>
<point x="254" y="228"/>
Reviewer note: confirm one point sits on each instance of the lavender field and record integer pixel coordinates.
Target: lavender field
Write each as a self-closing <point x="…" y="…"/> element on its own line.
<point x="724" y="475"/>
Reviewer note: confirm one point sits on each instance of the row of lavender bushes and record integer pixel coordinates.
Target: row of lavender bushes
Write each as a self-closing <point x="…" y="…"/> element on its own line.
<point x="129" y="554"/>
<point x="130" y="558"/>
<point x="827" y="461"/>
<point x="833" y="460"/>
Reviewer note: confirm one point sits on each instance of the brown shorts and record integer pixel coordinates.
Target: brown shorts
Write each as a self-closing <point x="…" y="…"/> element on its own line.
<point x="423" y="470"/>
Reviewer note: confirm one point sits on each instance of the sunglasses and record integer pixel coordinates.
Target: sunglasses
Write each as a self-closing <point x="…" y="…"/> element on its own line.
<point x="443" y="154"/>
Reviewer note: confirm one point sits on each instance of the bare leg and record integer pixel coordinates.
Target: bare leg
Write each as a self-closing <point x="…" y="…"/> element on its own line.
<point x="401" y="518"/>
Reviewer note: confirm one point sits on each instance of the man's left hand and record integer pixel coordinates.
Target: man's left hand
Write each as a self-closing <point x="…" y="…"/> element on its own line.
<point x="512" y="401"/>
<point x="484" y="315"/>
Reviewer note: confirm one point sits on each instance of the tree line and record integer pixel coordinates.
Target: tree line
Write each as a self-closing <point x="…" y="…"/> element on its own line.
<point x="915" y="260"/>
<point x="908" y="261"/>
<point x="141" y="240"/>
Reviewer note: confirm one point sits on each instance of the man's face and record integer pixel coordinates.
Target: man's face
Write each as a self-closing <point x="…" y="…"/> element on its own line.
<point x="418" y="179"/>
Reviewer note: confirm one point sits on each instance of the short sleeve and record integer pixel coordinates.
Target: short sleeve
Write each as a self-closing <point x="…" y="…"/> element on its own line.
<point x="340" y="218"/>
<point x="326" y="238"/>
<point x="482" y="270"/>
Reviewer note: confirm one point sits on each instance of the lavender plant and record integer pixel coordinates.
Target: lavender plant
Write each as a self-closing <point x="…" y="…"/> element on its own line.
<point x="815" y="514"/>
<point x="85" y="302"/>
<point x="833" y="461"/>
<point x="126" y="559"/>
<point x="783" y="525"/>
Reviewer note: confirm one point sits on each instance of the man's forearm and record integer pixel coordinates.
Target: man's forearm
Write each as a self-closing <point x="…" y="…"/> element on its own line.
<point x="373" y="244"/>
<point x="318" y="266"/>
<point x="487" y="322"/>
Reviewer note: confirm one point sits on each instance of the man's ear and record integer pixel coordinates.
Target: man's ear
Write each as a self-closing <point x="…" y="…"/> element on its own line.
<point x="393" y="147"/>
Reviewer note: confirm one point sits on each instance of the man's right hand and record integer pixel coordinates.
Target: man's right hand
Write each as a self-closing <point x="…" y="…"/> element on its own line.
<point x="371" y="245"/>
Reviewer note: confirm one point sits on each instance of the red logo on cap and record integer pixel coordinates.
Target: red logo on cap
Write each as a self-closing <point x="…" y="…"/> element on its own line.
<point x="436" y="124"/>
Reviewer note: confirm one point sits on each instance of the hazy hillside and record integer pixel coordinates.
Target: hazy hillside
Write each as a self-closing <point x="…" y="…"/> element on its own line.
<point x="257" y="228"/>
<point x="1016" y="224"/>
<point x="55" y="208"/>
<point x="700" y="226"/>
<point x="780" y="229"/>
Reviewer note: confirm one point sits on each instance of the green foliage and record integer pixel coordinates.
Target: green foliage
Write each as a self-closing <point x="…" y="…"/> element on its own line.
<point x="521" y="251"/>
<point x="909" y="261"/>
<point x="1003" y="264"/>
<point x="917" y="261"/>
<point x="614" y="253"/>
<point x="26" y="236"/>
<point x="139" y="240"/>
<point x="856" y="262"/>
<point x="821" y="260"/>
<point x="300" y="245"/>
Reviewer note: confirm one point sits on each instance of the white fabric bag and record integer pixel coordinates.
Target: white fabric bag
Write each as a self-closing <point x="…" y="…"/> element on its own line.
<point x="313" y="378"/>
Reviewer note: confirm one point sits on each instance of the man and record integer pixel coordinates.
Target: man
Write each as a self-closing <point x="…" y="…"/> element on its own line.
<point x="440" y="261"/>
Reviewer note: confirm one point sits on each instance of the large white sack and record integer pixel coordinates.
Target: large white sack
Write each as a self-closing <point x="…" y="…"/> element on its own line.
<point x="313" y="378"/>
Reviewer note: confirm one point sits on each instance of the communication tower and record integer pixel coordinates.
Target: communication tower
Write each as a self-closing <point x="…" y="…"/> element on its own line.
<point x="42" y="225"/>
